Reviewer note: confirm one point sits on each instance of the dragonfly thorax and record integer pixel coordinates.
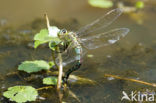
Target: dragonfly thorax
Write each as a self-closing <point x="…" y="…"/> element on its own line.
<point x="66" y="36"/>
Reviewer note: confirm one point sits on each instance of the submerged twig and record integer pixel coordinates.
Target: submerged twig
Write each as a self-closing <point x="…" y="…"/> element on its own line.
<point x="12" y="73"/>
<point x="74" y="95"/>
<point x="80" y="80"/>
<point x="133" y="80"/>
<point x="47" y="87"/>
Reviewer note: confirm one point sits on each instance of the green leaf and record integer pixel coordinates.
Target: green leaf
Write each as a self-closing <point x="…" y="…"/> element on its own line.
<point x="53" y="45"/>
<point x="43" y="37"/>
<point x="37" y="43"/>
<point x="21" y="94"/>
<point x="33" y="66"/>
<point x="101" y="3"/>
<point x="139" y="4"/>
<point x="50" y="80"/>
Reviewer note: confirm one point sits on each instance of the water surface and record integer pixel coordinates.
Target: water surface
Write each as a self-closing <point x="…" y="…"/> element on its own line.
<point x="132" y="57"/>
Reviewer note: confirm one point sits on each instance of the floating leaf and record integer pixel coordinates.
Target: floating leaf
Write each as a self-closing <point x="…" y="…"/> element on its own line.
<point x="21" y="94"/>
<point x="33" y="66"/>
<point x="50" y="80"/>
<point x="139" y="4"/>
<point x="101" y="3"/>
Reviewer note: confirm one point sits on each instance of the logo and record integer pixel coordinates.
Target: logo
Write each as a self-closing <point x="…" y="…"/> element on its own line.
<point x="138" y="96"/>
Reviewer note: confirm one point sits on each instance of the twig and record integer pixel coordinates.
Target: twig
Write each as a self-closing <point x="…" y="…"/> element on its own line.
<point x="133" y="80"/>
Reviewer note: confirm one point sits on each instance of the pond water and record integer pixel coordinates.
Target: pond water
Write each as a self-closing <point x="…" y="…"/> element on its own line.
<point x="132" y="57"/>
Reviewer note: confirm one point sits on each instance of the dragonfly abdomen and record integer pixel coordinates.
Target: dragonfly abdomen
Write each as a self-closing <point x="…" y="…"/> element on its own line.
<point x="74" y="68"/>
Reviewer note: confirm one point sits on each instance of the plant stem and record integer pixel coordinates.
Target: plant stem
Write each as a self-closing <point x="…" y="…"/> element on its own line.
<point x="59" y="80"/>
<point x="48" y="26"/>
<point x="60" y="69"/>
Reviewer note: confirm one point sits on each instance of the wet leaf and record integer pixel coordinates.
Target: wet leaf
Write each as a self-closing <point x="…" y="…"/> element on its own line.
<point x="50" y="80"/>
<point x="21" y="94"/>
<point x="34" y="66"/>
<point x="101" y="3"/>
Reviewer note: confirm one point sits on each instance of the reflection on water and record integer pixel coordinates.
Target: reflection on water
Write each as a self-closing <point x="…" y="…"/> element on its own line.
<point x="132" y="57"/>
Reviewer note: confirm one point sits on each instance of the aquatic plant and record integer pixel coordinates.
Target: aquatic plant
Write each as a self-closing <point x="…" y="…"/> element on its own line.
<point x="22" y="94"/>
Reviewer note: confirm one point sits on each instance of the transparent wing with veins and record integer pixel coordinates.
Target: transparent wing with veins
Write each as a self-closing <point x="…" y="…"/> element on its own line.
<point x="94" y="42"/>
<point x="97" y="40"/>
<point x="104" y="39"/>
<point x="100" y="23"/>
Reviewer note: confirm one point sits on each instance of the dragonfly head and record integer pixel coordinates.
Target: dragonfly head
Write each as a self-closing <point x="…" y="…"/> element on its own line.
<point x="62" y="33"/>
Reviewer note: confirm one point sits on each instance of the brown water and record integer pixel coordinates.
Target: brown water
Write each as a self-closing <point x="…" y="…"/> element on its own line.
<point x="132" y="57"/>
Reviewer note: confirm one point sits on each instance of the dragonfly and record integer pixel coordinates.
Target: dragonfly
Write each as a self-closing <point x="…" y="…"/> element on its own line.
<point x="83" y="40"/>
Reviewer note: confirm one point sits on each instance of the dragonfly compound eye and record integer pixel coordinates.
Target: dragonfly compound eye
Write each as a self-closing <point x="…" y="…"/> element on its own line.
<point x="64" y="31"/>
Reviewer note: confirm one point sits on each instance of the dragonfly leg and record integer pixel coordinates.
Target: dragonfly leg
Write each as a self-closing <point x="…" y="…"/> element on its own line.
<point x="74" y="68"/>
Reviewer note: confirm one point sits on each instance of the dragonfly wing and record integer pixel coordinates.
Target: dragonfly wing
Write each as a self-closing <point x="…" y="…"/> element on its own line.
<point x="101" y="22"/>
<point x="104" y="39"/>
<point x="69" y="55"/>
